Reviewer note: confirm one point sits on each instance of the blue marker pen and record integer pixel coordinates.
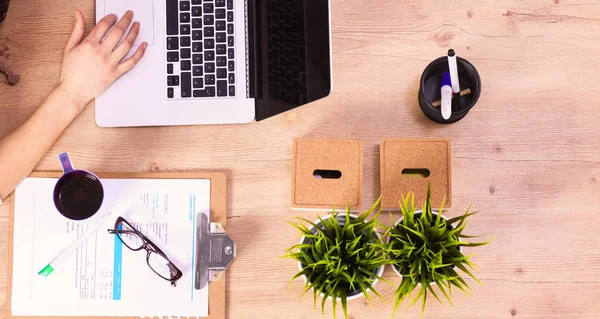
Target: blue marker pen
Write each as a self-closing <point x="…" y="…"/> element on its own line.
<point x="446" y="96"/>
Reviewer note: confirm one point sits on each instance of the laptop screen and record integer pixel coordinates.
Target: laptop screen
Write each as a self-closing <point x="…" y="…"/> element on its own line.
<point x="291" y="54"/>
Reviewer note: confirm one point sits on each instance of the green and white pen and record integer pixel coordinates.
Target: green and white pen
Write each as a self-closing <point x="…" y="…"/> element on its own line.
<point x="49" y="268"/>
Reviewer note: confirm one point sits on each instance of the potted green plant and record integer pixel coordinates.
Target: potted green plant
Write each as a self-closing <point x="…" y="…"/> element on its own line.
<point x="341" y="257"/>
<point x="426" y="250"/>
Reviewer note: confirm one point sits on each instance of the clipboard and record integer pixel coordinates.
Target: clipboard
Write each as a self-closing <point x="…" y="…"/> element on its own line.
<point x="218" y="214"/>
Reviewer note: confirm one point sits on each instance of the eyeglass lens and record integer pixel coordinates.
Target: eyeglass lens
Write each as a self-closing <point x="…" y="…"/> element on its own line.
<point x="156" y="261"/>
<point x="129" y="236"/>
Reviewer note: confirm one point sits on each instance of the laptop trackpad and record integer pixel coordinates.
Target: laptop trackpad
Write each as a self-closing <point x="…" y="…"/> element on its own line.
<point x="143" y="11"/>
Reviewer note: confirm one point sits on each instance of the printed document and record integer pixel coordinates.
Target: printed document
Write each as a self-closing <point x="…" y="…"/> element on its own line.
<point x="103" y="277"/>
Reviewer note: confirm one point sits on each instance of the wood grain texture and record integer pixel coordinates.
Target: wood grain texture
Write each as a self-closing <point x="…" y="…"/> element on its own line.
<point x="527" y="156"/>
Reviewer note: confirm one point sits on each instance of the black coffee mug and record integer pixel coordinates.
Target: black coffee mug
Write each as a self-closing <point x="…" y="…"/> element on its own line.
<point x="78" y="194"/>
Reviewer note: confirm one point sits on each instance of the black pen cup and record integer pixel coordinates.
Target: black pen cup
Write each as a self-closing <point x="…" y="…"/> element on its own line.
<point x="429" y="90"/>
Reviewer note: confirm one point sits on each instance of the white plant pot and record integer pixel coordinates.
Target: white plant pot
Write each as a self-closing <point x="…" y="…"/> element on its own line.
<point x="399" y="221"/>
<point x="379" y="272"/>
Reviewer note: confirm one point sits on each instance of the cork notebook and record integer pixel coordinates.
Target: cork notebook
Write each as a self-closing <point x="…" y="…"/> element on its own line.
<point x="409" y="165"/>
<point x="218" y="214"/>
<point x="327" y="173"/>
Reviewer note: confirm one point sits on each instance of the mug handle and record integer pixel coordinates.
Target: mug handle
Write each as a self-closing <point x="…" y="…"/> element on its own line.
<point x="65" y="162"/>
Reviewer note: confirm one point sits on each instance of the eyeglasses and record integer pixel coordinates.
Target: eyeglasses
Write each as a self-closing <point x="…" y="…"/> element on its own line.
<point x="155" y="258"/>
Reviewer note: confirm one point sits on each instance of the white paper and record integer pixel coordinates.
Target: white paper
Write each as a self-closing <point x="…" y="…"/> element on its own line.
<point x="88" y="282"/>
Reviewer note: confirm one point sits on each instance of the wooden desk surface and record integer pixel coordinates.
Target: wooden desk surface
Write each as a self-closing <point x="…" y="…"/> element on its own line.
<point x="527" y="157"/>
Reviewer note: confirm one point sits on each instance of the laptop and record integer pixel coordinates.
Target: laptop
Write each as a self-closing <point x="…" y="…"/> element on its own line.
<point x="219" y="61"/>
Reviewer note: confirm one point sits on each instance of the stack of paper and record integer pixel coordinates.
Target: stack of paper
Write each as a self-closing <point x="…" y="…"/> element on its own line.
<point x="103" y="277"/>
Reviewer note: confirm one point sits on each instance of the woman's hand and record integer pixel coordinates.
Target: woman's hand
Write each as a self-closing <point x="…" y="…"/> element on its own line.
<point x="92" y="64"/>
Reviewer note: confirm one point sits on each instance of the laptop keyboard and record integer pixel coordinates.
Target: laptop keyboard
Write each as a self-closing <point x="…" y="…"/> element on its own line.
<point x="286" y="51"/>
<point x="200" y="57"/>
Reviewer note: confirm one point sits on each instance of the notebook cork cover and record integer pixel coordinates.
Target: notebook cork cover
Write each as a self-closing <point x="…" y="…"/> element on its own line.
<point x="409" y="165"/>
<point x="327" y="174"/>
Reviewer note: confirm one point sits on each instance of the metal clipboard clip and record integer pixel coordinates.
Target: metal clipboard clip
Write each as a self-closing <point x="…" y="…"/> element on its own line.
<point x="215" y="251"/>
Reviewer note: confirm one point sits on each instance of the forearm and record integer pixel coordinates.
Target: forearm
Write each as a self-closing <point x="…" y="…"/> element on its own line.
<point x="21" y="150"/>
<point x="89" y="67"/>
